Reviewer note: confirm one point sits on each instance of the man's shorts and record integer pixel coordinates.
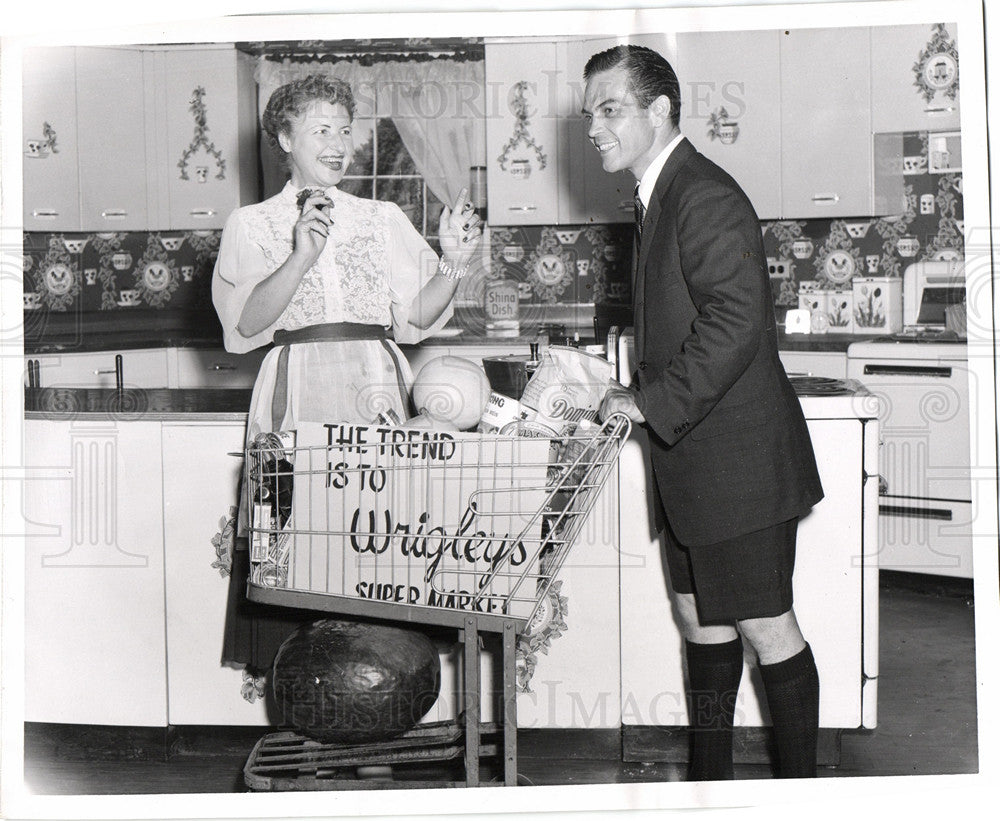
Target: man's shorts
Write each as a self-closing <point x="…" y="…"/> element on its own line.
<point x="747" y="577"/>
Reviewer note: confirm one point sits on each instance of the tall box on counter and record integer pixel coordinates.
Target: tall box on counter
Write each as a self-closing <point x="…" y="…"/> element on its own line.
<point x="840" y="311"/>
<point x="878" y="305"/>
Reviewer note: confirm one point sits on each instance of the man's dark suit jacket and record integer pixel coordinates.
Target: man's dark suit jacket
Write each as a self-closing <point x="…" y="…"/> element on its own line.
<point x="730" y="449"/>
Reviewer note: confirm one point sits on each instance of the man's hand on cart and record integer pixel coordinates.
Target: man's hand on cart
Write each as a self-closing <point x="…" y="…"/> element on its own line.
<point x="620" y="399"/>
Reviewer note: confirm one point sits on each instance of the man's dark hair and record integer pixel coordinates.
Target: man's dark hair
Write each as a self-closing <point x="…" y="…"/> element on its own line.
<point x="649" y="75"/>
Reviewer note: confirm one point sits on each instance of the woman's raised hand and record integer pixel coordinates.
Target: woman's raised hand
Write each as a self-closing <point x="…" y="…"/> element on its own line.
<point x="313" y="226"/>
<point x="459" y="231"/>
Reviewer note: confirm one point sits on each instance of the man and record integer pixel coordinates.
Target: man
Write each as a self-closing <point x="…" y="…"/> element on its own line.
<point x="733" y="464"/>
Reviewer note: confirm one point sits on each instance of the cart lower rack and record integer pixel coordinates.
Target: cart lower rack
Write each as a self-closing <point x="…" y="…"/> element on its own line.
<point x="423" y="527"/>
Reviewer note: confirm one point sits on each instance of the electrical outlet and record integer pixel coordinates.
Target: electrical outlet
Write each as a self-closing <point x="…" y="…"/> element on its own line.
<point x="779" y="268"/>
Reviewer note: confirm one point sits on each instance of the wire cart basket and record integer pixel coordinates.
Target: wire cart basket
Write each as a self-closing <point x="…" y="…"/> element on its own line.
<point x="464" y="531"/>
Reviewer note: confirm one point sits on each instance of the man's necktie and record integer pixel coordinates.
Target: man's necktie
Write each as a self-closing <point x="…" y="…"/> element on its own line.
<point x="640" y="212"/>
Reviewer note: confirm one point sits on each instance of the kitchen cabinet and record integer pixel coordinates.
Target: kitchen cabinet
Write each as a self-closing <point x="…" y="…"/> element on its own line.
<point x="146" y="138"/>
<point x="835" y="584"/>
<point x="111" y="134"/>
<point x="200" y="487"/>
<point x="206" y="104"/>
<point x="826" y="123"/>
<point x="145" y="368"/>
<point x="900" y="79"/>
<point x="731" y="107"/>
<point x="49" y="146"/>
<point x="213" y="367"/>
<point x="94" y="609"/>
<point x="524" y="84"/>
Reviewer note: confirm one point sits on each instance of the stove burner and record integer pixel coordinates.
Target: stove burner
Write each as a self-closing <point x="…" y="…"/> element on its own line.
<point x="921" y="335"/>
<point x="820" y="385"/>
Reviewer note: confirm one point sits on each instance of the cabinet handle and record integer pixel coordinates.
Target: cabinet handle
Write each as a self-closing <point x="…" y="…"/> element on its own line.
<point x="202" y="213"/>
<point x="114" y="214"/>
<point x="45" y="213"/>
<point x="826" y="199"/>
<point x="220" y="366"/>
<point x="941" y="514"/>
<point x="937" y="110"/>
<point x="522" y="208"/>
<point x="908" y="370"/>
<point x="103" y="371"/>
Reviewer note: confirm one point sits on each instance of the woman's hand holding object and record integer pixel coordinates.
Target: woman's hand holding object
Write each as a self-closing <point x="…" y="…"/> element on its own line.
<point x="313" y="226"/>
<point x="459" y="231"/>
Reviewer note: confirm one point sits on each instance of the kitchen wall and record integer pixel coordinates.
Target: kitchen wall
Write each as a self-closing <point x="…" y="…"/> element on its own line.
<point x="114" y="276"/>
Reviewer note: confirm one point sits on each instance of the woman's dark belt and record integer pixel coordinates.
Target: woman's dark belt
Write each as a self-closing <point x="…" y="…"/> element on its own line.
<point x="329" y="331"/>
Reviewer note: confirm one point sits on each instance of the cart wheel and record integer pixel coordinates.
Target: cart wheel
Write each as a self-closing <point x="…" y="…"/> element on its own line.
<point x="524" y="781"/>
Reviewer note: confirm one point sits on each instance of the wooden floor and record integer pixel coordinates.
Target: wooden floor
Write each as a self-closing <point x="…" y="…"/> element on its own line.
<point x="926" y="722"/>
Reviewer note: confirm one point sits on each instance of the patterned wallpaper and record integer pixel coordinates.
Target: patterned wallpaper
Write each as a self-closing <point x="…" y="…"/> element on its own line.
<point x="120" y="271"/>
<point x="112" y="274"/>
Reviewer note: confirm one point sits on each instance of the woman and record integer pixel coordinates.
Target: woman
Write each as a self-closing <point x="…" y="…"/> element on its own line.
<point x="322" y="274"/>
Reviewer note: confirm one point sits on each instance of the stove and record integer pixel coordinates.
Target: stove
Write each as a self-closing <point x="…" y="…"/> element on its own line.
<point x="922" y="381"/>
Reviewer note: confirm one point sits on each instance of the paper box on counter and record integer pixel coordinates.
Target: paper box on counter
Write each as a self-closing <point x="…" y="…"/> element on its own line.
<point x="878" y="305"/>
<point x="840" y="311"/>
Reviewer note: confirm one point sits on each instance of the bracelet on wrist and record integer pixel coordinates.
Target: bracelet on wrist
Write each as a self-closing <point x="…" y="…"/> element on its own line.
<point x="450" y="271"/>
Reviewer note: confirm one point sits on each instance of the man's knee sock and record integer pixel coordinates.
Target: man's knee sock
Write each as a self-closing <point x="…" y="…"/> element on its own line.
<point x="714" y="672"/>
<point x="792" y="688"/>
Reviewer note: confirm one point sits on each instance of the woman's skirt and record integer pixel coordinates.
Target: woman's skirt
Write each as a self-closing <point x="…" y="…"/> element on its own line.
<point x="322" y="374"/>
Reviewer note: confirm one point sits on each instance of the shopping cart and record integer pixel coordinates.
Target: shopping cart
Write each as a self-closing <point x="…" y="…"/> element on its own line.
<point x="462" y="531"/>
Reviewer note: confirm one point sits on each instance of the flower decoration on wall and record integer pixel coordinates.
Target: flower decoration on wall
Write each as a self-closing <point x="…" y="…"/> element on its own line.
<point x="789" y="235"/>
<point x="199" y="111"/>
<point x="57" y="277"/>
<point x="892" y="230"/>
<point x="156" y="274"/>
<point x="839" y="258"/>
<point x="110" y="259"/>
<point x="949" y="238"/>
<point x="550" y="267"/>
<point x="936" y="69"/>
<point x="548" y="624"/>
<point x="204" y="243"/>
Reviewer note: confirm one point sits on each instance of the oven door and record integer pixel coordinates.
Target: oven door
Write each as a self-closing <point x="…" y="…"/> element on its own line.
<point x="924" y="459"/>
<point x="925" y="536"/>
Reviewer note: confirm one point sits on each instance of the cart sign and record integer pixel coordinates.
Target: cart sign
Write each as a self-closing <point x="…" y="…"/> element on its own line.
<point x="416" y="517"/>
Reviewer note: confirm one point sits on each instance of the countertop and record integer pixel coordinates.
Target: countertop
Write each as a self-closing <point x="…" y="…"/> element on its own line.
<point x="222" y="404"/>
<point x="135" y="340"/>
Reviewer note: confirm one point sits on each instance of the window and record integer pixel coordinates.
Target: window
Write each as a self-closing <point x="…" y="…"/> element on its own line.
<point x="383" y="169"/>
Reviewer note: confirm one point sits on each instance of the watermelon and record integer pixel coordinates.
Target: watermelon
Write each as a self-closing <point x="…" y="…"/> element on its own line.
<point x="355" y="682"/>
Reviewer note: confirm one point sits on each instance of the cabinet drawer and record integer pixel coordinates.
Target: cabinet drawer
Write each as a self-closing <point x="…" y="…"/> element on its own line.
<point x="140" y="369"/>
<point x="216" y="368"/>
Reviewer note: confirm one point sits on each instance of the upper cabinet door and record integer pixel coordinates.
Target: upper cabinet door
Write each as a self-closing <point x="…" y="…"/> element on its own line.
<point x="731" y="107"/>
<point x="48" y="145"/>
<point x="206" y="127"/>
<point x="523" y="89"/>
<point x="111" y="115"/>
<point x="915" y="78"/>
<point x="826" y="133"/>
